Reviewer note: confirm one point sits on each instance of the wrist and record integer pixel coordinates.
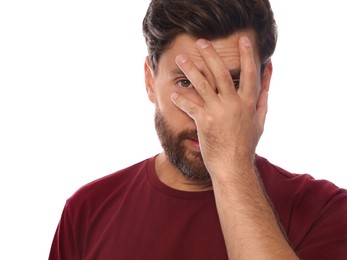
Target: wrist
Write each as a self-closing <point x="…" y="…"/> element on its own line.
<point x="238" y="174"/>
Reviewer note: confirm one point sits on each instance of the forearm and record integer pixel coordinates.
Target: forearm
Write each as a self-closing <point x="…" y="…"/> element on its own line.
<point x="249" y="224"/>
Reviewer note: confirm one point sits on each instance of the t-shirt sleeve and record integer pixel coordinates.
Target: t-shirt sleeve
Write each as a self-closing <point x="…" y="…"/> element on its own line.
<point x="64" y="241"/>
<point x="327" y="237"/>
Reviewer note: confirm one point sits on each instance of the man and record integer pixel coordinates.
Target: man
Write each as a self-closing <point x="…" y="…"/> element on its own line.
<point x="207" y="195"/>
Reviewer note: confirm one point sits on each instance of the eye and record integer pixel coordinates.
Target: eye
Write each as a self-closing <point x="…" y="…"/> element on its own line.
<point x="236" y="83"/>
<point x="184" y="83"/>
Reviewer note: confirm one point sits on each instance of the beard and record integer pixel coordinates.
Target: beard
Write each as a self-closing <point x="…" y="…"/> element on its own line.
<point x="189" y="163"/>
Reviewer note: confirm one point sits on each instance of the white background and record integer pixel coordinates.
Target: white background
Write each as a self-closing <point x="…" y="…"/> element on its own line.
<point x="73" y="105"/>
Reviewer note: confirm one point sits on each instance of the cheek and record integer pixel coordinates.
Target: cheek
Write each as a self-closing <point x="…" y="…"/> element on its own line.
<point x="167" y="108"/>
<point x="171" y="112"/>
<point x="163" y="102"/>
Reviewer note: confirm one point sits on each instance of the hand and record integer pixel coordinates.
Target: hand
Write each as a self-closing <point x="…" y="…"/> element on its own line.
<point x="229" y="122"/>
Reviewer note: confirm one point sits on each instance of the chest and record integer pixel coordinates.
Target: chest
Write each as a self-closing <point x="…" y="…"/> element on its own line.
<point x="154" y="226"/>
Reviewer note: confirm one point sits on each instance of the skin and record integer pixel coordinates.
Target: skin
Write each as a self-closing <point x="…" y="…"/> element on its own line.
<point x="229" y="124"/>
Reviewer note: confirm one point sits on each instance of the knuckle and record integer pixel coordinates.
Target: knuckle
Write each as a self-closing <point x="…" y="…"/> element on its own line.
<point x="209" y="120"/>
<point x="192" y="110"/>
<point x="188" y="107"/>
<point x="203" y="85"/>
<point x="224" y="75"/>
<point x="250" y="103"/>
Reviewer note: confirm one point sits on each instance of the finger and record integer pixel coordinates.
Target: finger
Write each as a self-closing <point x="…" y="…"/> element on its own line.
<point x="200" y="83"/>
<point x="248" y="77"/>
<point x="189" y="107"/>
<point x="262" y="107"/>
<point x="220" y="72"/>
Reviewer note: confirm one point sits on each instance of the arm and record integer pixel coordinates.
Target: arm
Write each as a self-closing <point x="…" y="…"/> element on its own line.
<point x="64" y="241"/>
<point x="229" y="125"/>
<point x="249" y="225"/>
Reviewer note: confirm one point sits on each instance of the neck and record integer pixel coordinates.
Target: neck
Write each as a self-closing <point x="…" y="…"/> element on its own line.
<point x="172" y="177"/>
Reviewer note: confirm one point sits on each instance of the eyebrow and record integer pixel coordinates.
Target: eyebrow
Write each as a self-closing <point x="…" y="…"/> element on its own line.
<point x="177" y="71"/>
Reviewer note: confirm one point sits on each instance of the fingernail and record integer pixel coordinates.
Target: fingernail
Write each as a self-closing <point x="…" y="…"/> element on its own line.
<point x="245" y="41"/>
<point x="181" y="58"/>
<point x="202" y="43"/>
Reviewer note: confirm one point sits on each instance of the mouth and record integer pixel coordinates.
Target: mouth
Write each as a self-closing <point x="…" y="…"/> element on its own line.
<point x="193" y="144"/>
<point x="195" y="139"/>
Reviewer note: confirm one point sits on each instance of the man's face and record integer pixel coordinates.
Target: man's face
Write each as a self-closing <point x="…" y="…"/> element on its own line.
<point x="176" y="130"/>
<point x="181" y="148"/>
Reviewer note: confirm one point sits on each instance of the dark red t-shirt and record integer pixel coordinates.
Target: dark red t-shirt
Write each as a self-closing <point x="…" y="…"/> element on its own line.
<point x="131" y="214"/>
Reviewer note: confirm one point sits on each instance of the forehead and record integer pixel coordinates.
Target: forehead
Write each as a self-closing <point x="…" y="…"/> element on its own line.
<point x="227" y="49"/>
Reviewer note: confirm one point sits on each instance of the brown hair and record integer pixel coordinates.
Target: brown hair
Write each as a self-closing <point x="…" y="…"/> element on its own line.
<point x="209" y="19"/>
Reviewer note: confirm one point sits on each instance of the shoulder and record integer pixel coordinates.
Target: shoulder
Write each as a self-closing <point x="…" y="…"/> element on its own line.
<point x="277" y="179"/>
<point x="311" y="211"/>
<point x="300" y="198"/>
<point x="108" y="186"/>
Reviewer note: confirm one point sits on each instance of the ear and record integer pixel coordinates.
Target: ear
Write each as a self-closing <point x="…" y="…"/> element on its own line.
<point x="149" y="80"/>
<point x="266" y="77"/>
